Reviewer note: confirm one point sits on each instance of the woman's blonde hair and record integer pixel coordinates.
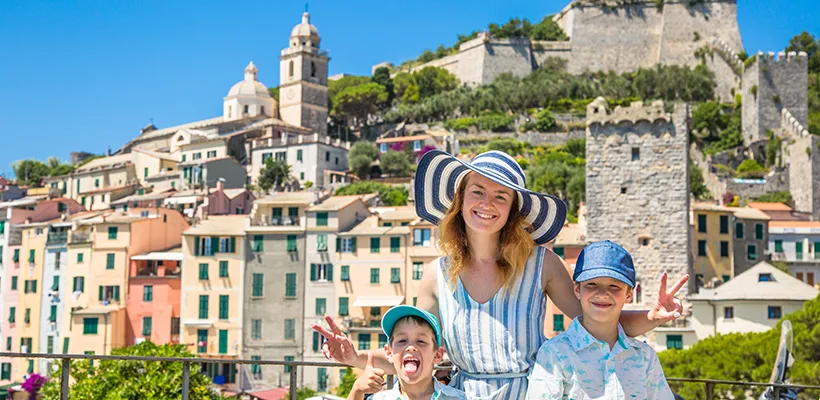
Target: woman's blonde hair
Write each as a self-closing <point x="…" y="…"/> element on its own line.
<point x="515" y="241"/>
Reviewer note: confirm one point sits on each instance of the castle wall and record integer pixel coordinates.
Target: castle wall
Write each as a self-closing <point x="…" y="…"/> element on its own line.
<point x="803" y="157"/>
<point x="727" y="81"/>
<point x="542" y="50"/>
<point x="780" y="82"/>
<point x="629" y="199"/>
<point x="507" y="56"/>
<point x="687" y="27"/>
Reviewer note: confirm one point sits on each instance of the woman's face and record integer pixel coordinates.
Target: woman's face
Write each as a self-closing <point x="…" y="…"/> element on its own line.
<point x="486" y="204"/>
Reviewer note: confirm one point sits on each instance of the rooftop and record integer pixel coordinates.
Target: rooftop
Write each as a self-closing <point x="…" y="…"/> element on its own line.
<point x="219" y="225"/>
<point x="403" y="138"/>
<point x="749" y="286"/>
<point x="335" y="203"/>
<point x="105" y="162"/>
<point x="794" y="224"/>
<point x="301" y="198"/>
<point x="768" y="206"/>
<point x="369" y="227"/>
<point x="401" y="213"/>
<point x="158" y="195"/>
<point x="708" y="206"/>
<point x="159" y="154"/>
<point x="750" y="213"/>
<point x="231" y="193"/>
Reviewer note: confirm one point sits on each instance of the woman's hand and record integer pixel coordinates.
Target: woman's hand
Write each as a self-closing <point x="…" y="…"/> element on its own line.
<point x="338" y="346"/>
<point x="667" y="308"/>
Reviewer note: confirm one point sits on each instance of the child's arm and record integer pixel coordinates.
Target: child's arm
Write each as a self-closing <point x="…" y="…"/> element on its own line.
<point x="656" y="386"/>
<point x="547" y="380"/>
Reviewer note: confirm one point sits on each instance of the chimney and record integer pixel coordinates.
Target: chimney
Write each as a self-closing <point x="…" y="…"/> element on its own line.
<point x="108" y="152"/>
<point x="220" y="185"/>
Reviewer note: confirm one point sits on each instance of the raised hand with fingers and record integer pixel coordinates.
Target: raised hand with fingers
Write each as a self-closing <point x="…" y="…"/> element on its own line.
<point x="338" y="346"/>
<point x="667" y="307"/>
<point x="370" y="381"/>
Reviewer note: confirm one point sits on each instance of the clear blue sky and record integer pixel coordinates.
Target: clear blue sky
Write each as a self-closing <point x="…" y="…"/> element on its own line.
<point x="82" y="76"/>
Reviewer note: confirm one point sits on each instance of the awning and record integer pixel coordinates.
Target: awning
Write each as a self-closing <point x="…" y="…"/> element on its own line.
<point x="94" y="311"/>
<point x="182" y="199"/>
<point x="158" y="256"/>
<point x="198" y="322"/>
<point x="378" y="301"/>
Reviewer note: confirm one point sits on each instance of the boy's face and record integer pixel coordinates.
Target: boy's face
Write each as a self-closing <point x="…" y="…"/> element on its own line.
<point x="413" y="351"/>
<point x="603" y="298"/>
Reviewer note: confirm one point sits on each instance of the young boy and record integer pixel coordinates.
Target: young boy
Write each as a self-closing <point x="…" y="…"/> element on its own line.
<point x="593" y="358"/>
<point x="414" y="347"/>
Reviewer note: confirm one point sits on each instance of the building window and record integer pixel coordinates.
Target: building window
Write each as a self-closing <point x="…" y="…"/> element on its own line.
<point x="724" y="224"/>
<point x="395" y="244"/>
<point x="290" y="69"/>
<point x="321" y="379"/>
<point x="725" y="278"/>
<point x="203" y="306"/>
<point x="701" y="248"/>
<point x="775" y="312"/>
<point x="751" y="252"/>
<point x="13" y="283"/>
<point x="257" y="285"/>
<point x="12" y="315"/>
<point x="112" y="231"/>
<point x="290" y="284"/>
<point x="299" y="155"/>
<point x="765" y="277"/>
<point x="201" y="340"/>
<point x="245" y="109"/>
<point x="261" y="111"/>
<point x="798" y="250"/>
<point x="266" y="157"/>
<point x="321" y="272"/>
<point x="321" y="306"/>
<point x="374" y="275"/>
<point x="256" y="329"/>
<point x="321" y="242"/>
<point x="364" y="341"/>
<point x="27" y="317"/>
<point x="146" y="326"/>
<point x="290" y="329"/>
<point x="257" y="245"/>
<point x="321" y="219"/>
<point x="313" y="75"/>
<point x="759" y="231"/>
<point x="175" y="325"/>
<point x="674" y="342"/>
<point x="109" y="293"/>
<point x="343" y="306"/>
<point x="148" y="293"/>
<point x="724" y="248"/>
<point x="327" y="156"/>
<point x="256" y="369"/>
<point x="223" y="306"/>
<point x="223" y="341"/>
<point x="375" y="244"/>
<point x="738" y="230"/>
<point x="79" y="284"/>
<point x="203" y="271"/>
<point x="30" y="286"/>
<point x="345" y="273"/>
<point x="348" y="245"/>
<point x="421" y="237"/>
<point x="291" y="243"/>
<point x="109" y="261"/>
<point x="558" y="322"/>
<point x="223" y="269"/>
<point x="559" y="251"/>
<point x="280" y="156"/>
<point x="395" y="275"/>
<point x="702" y="223"/>
<point x="778" y="246"/>
<point x="90" y="326"/>
<point x="728" y="312"/>
<point x="418" y="271"/>
<point x="211" y="154"/>
<point x="636" y="154"/>
<point x="383" y="148"/>
<point x="288" y="367"/>
<point x="5" y="371"/>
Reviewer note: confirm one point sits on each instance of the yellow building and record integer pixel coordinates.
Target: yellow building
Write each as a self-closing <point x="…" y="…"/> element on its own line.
<point x="213" y="269"/>
<point x="373" y="261"/>
<point x="32" y="258"/>
<point x="422" y="249"/>
<point x="711" y="243"/>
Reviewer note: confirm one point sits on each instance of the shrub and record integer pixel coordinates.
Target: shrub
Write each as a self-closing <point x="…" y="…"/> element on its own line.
<point x="495" y="122"/>
<point x="750" y="169"/>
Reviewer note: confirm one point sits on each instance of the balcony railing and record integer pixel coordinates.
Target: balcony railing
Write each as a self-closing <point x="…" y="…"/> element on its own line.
<point x="709" y="385"/>
<point x="277" y="221"/>
<point x="57" y="238"/>
<point x="80" y="237"/>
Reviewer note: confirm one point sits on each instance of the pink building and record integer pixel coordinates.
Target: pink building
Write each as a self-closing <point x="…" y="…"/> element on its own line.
<point x="153" y="302"/>
<point x="221" y="201"/>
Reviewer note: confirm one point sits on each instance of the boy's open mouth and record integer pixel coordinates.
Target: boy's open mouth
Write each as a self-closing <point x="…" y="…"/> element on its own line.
<point x="410" y="364"/>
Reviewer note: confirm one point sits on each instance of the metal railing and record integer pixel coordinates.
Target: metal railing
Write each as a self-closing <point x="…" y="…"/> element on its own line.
<point x="57" y="238"/>
<point x="710" y="385"/>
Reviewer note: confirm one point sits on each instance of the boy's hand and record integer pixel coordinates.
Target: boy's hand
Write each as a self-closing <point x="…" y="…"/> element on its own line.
<point x="667" y="307"/>
<point x="371" y="380"/>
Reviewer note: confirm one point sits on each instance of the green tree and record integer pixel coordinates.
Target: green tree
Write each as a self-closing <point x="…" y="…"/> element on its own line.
<point x="434" y="80"/>
<point x="346" y="385"/>
<point x="303" y="393"/>
<point x="395" y="163"/>
<point x="776" y="197"/>
<point x="274" y="92"/>
<point x="400" y="83"/>
<point x="773" y="150"/>
<point x="708" y="119"/>
<point x="806" y="42"/>
<point x="390" y="195"/>
<point x="274" y="174"/>
<point x="56" y="168"/>
<point x="355" y="103"/>
<point x="696" y="183"/>
<point x="547" y="30"/>
<point x="132" y="380"/>
<point x="506" y="145"/>
<point x="382" y="77"/>
<point x="361" y="157"/>
<point x="30" y="172"/>
<point x="337" y="86"/>
<point x="576" y="147"/>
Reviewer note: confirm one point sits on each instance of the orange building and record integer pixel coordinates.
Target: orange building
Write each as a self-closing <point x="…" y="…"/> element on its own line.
<point x="152" y="307"/>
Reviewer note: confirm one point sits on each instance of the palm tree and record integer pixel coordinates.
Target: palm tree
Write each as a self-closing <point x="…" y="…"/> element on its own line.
<point x="275" y="173"/>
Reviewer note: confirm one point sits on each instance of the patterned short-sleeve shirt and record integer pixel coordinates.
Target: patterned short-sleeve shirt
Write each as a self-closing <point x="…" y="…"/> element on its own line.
<point x="440" y="392"/>
<point x="575" y="365"/>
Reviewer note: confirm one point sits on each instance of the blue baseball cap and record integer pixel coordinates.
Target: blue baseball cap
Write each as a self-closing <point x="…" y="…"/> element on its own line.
<point x="396" y="313"/>
<point x="604" y="259"/>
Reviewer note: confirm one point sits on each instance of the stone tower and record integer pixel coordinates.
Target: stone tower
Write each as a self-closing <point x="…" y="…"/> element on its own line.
<point x="769" y="86"/>
<point x="638" y="187"/>
<point x="303" y="79"/>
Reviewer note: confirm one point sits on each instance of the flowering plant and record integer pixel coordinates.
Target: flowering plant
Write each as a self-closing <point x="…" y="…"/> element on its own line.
<point x="33" y="384"/>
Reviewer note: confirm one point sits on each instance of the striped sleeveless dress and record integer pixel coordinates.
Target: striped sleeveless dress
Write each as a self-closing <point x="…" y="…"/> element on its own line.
<point x="494" y="345"/>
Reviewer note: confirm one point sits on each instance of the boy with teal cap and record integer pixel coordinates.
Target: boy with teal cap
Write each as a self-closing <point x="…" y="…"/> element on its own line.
<point x="414" y="348"/>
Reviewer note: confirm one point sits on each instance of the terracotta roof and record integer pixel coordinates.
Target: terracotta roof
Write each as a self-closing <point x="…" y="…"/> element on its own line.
<point x="108" y="189"/>
<point x="403" y="139"/>
<point x="288" y="198"/>
<point x="158" y="195"/>
<point x="163" y="174"/>
<point x="335" y="203"/>
<point x="219" y="225"/>
<point x="794" y="224"/>
<point x="157" y="154"/>
<point x="768" y="206"/>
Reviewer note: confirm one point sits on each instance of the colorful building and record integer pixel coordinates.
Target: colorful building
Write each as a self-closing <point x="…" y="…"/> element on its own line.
<point x="568" y="245"/>
<point x="750" y="238"/>
<point x="712" y="244"/>
<point x="797" y="244"/>
<point x="154" y="294"/>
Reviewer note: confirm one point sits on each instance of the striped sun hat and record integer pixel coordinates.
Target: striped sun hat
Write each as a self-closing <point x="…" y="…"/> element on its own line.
<point x="439" y="174"/>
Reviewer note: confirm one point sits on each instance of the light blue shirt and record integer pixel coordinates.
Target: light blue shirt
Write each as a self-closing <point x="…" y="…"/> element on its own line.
<point x="575" y="365"/>
<point x="440" y="392"/>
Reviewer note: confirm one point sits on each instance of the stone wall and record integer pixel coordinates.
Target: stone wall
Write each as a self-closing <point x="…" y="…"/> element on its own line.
<point x="534" y="138"/>
<point x="726" y="78"/>
<point x="638" y="186"/>
<point x="804" y="173"/>
<point x="769" y="85"/>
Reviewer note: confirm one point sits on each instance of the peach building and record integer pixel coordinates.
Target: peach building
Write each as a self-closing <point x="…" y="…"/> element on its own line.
<point x="154" y="296"/>
<point x="568" y="245"/>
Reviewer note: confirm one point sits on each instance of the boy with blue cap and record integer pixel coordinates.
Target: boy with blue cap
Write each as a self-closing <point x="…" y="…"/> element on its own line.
<point x="414" y="348"/>
<point x="593" y="358"/>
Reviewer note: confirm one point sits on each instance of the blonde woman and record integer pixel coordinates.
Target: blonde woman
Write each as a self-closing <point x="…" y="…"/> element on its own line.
<point x="490" y="289"/>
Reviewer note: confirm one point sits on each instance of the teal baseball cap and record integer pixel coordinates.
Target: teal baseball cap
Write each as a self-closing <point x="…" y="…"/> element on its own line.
<point x="396" y="313"/>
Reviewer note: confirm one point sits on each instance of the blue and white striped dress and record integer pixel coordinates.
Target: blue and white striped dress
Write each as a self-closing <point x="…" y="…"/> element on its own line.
<point x="494" y="345"/>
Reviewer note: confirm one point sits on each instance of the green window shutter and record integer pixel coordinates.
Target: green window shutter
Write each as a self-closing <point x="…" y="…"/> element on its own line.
<point x="289" y="358"/>
<point x="34" y="286"/>
<point x="355" y="248"/>
<point x="559" y="251"/>
<point x="201" y="340"/>
<point x="291" y="242"/>
<point x="90" y="326"/>
<point x="147" y="293"/>
<point x="258" y="244"/>
<point x="321" y="219"/>
<point x="147" y="323"/>
<point x="739" y="230"/>
<point x="702" y="223"/>
<point x="109" y="261"/>
<point x="52" y="316"/>
<point x="79" y="284"/>
<point x="387" y="224"/>
<point x="315" y="341"/>
<point x="816" y="250"/>
<point x="79" y="258"/>
<point x="223" y="269"/>
<point x="382" y="340"/>
<point x="102" y="293"/>
<point x="203" y="307"/>
<point x="395" y="244"/>
<point x="395" y="275"/>
<point x="374" y="275"/>
<point x="27" y="317"/>
<point x="343" y="306"/>
<point x="65" y="345"/>
<point x="345" y="273"/>
<point x="12" y="314"/>
<point x="290" y="284"/>
<point x="312" y="272"/>
<point x="112" y="232"/>
<point x="375" y="244"/>
<point x="116" y="293"/>
<point x="293" y="211"/>
<point x="338" y="244"/>
<point x="223" y="341"/>
<point x="759" y="231"/>
<point x="321" y="242"/>
<point x="321" y="306"/>
<point x="13" y="283"/>
<point x="203" y="271"/>
<point x="55" y="285"/>
<point x="16" y="256"/>
<point x="257" y="285"/>
<point x="223" y="306"/>
<point x="364" y="341"/>
<point x="298" y="155"/>
<point x="31" y="256"/>
<point x="233" y="244"/>
<point x="196" y="245"/>
<point x="778" y="246"/>
<point x="330" y="272"/>
<point x="214" y="245"/>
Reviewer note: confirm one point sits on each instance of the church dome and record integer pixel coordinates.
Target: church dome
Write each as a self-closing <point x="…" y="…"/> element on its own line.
<point x="305" y="33"/>
<point x="249" y="86"/>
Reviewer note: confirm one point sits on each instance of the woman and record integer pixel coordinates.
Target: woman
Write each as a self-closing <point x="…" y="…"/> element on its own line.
<point x="490" y="289"/>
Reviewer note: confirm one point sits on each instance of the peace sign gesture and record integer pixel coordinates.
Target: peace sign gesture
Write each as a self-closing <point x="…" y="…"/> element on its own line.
<point x="667" y="308"/>
<point x="338" y="346"/>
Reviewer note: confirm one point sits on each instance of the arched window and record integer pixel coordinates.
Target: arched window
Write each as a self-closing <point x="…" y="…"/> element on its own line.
<point x="290" y="68"/>
<point x="312" y="69"/>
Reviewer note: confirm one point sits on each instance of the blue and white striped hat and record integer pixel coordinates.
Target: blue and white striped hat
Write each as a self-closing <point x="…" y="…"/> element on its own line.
<point x="439" y="174"/>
